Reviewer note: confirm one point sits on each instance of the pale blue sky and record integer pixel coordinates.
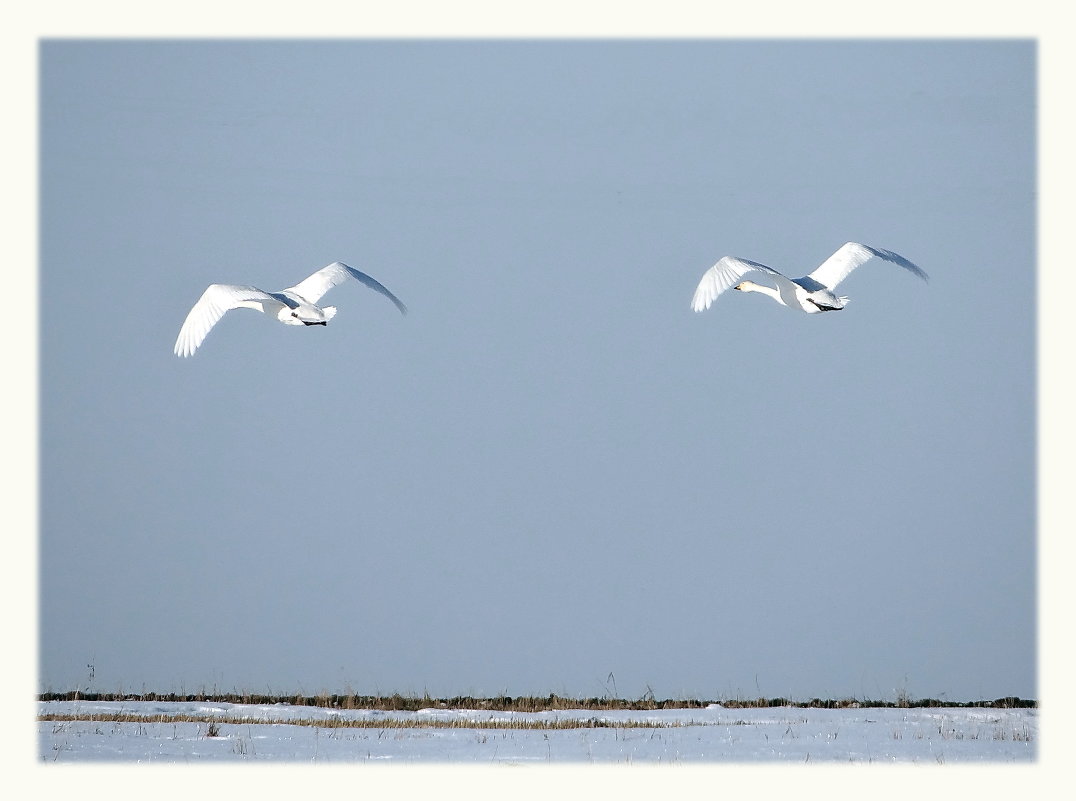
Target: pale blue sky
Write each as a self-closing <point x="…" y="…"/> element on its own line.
<point x="551" y="470"/>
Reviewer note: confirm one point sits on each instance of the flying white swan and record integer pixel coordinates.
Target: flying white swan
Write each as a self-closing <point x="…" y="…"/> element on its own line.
<point x="296" y="305"/>
<point x="813" y="293"/>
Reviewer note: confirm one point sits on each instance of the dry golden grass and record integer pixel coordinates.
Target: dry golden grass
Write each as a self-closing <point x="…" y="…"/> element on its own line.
<point x="506" y="703"/>
<point x="381" y="723"/>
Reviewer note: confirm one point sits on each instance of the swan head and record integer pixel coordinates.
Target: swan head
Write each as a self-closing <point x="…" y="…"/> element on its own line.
<point x="751" y="286"/>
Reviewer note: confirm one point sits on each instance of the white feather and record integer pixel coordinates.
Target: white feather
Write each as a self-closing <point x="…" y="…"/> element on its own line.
<point x="294" y="306"/>
<point x="812" y="293"/>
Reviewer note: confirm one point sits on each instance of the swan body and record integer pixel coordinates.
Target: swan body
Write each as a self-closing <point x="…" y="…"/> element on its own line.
<point x="296" y="305"/>
<point x="812" y="293"/>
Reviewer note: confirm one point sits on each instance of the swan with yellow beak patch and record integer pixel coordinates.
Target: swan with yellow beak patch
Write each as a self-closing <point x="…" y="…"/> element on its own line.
<point x="812" y="293"/>
<point x="296" y="305"/>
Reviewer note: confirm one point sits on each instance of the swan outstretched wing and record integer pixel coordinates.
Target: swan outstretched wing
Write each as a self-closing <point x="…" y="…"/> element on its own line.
<point x="852" y="254"/>
<point x="215" y="301"/>
<point x="312" y="288"/>
<point x="726" y="273"/>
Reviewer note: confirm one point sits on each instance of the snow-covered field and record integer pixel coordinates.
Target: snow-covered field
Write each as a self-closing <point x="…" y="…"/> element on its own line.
<point x="696" y="736"/>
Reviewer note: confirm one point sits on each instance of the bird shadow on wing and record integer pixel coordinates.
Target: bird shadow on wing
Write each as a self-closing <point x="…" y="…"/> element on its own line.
<point x="808" y="283"/>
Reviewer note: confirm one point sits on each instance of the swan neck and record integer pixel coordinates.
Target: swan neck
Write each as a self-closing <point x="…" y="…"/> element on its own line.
<point x="751" y="286"/>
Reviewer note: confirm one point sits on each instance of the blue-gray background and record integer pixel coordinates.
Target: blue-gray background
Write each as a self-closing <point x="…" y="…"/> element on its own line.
<point x="551" y="476"/>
